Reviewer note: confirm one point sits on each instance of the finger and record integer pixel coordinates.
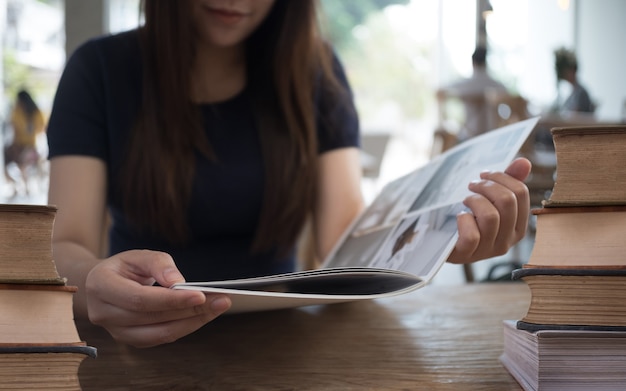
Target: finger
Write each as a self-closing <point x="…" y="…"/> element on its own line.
<point x="112" y="287"/>
<point x="468" y="240"/>
<point x="519" y="169"/>
<point x="141" y="264"/>
<point x="133" y="312"/>
<point x="488" y="222"/>
<point x="503" y="206"/>
<point x="121" y="283"/>
<point x="521" y="211"/>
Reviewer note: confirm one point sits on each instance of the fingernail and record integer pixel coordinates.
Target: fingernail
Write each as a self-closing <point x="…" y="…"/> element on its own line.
<point x="485" y="174"/>
<point x="220" y="304"/>
<point x="173" y="275"/>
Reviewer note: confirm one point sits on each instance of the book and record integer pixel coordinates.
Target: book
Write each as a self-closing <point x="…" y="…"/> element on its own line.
<point x="397" y="244"/>
<point x="42" y="367"/>
<point x="37" y="314"/>
<point x="583" y="236"/>
<point x="591" y="165"/>
<point x="573" y="335"/>
<point x="40" y="347"/>
<point x="573" y="298"/>
<point x="556" y="360"/>
<point x="25" y="244"/>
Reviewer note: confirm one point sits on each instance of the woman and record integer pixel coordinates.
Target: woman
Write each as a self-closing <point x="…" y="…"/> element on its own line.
<point x="210" y="135"/>
<point x="28" y="124"/>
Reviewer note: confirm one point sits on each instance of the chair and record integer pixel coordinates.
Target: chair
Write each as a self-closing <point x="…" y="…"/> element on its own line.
<point x="443" y="139"/>
<point x="505" y="108"/>
<point x="445" y="134"/>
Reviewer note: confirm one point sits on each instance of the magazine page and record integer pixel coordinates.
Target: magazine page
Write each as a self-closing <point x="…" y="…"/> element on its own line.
<point x="398" y="243"/>
<point x="411" y="225"/>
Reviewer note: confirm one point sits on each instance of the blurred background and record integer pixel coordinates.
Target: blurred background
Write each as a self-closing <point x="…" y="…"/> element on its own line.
<point x="397" y="54"/>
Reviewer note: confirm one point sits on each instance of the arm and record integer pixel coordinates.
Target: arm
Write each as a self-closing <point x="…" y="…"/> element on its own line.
<point x="77" y="188"/>
<point x="339" y="197"/>
<point x="118" y="293"/>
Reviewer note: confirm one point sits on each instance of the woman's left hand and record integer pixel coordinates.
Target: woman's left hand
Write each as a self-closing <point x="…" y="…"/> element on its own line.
<point x="500" y="212"/>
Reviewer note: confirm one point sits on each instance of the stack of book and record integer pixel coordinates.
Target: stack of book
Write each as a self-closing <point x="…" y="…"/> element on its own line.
<point x="40" y="347"/>
<point x="573" y="336"/>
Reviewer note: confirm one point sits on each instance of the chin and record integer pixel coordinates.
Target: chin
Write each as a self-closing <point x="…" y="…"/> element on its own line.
<point x="224" y="41"/>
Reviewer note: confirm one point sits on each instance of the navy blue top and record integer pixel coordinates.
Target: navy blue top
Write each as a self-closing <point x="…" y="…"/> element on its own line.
<point x="96" y="102"/>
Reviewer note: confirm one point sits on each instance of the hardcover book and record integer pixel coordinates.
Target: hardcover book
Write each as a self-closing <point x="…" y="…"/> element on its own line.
<point x="40" y="348"/>
<point x="574" y="298"/>
<point x="584" y="236"/>
<point x="42" y="367"/>
<point x="556" y="360"/>
<point x="25" y="244"/>
<point x="591" y="166"/>
<point x="37" y="314"/>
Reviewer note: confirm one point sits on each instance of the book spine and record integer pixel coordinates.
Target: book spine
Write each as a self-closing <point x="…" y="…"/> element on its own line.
<point x="71" y="348"/>
<point x="534" y="327"/>
<point x="529" y="270"/>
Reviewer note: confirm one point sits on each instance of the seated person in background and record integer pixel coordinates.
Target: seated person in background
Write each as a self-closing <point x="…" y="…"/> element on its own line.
<point x="471" y="91"/>
<point x="210" y="134"/>
<point x="578" y="101"/>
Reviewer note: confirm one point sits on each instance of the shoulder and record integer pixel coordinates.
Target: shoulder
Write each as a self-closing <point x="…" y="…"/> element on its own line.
<point x="582" y="90"/>
<point x="99" y="88"/>
<point x="108" y="51"/>
<point x="330" y="66"/>
<point x="121" y="43"/>
<point x="102" y="63"/>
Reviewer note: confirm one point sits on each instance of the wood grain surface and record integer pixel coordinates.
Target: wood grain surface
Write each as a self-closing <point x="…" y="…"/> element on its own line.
<point x="436" y="338"/>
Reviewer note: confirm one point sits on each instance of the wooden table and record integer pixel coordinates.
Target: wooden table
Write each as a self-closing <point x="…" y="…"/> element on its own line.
<point x="436" y="338"/>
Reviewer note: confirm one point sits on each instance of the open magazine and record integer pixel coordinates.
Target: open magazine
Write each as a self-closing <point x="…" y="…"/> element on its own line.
<point x="397" y="244"/>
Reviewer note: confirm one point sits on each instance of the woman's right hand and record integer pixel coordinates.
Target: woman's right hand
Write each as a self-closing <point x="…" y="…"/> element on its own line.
<point x="122" y="298"/>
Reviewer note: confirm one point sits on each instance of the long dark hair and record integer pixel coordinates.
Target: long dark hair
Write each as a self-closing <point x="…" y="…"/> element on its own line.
<point x="28" y="103"/>
<point x="290" y="60"/>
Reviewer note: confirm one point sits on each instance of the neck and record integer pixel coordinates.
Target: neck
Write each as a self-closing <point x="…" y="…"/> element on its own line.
<point x="218" y="73"/>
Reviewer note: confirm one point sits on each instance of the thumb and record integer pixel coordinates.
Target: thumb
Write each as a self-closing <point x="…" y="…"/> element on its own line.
<point x="519" y="168"/>
<point x="152" y="265"/>
<point x="171" y="276"/>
